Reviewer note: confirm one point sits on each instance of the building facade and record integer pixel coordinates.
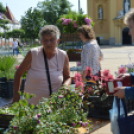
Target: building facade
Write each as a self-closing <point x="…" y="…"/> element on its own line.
<point x="108" y="16"/>
<point x="13" y="24"/>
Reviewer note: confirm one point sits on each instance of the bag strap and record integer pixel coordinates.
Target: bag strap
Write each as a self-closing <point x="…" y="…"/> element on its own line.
<point x="124" y="106"/>
<point x="47" y="72"/>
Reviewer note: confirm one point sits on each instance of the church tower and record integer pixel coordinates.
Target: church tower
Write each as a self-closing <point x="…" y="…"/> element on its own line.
<point x="108" y="16"/>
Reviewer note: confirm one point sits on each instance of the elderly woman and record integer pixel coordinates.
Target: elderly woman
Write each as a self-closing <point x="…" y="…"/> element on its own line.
<point x="91" y="53"/>
<point x="48" y="67"/>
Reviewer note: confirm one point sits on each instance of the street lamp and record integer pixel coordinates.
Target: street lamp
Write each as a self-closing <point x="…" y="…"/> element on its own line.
<point x="79" y="8"/>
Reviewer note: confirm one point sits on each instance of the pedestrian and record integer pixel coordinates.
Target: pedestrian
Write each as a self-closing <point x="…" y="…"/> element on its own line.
<point x="15" y="46"/>
<point x="91" y="54"/>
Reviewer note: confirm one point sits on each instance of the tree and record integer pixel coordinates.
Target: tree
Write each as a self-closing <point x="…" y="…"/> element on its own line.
<point x="31" y="23"/>
<point x="53" y="9"/>
<point x="3" y="20"/>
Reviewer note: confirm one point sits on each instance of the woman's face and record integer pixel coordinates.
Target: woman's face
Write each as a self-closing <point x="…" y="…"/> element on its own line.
<point x="49" y="42"/>
<point x="82" y="37"/>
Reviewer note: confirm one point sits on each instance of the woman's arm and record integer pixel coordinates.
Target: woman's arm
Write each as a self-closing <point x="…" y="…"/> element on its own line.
<point x="25" y="65"/>
<point x="66" y="72"/>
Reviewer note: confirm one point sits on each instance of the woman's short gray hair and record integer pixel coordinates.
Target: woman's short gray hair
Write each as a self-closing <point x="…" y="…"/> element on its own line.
<point x="49" y="29"/>
<point x="129" y="16"/>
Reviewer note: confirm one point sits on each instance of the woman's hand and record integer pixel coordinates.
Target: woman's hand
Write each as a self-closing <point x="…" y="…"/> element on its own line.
<point x="120" y="92"/>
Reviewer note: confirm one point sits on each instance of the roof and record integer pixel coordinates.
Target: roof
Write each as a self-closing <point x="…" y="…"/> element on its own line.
<point x="10" y="16"/>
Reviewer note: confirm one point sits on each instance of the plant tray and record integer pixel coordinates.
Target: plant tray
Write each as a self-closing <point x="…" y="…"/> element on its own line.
<point x="100" y="109"/>
<point x="5" y="120"/>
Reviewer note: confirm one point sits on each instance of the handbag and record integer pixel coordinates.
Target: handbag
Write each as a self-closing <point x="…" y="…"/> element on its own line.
<point x="126" y="122"/>
<point x="47" y="72"/>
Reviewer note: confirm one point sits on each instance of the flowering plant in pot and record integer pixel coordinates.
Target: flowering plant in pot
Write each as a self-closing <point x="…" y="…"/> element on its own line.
<point x="62" y="113"/>
<point x="72" y="21"/>
<point x="129" y="68"/>
<point x="93" y="87"/>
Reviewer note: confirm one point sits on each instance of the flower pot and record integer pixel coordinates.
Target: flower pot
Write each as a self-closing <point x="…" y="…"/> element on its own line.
<point x="74" y="56"/>
<point x="100" y="109"/>
<point x="70" y="37"/>
<point x="7" y="87"/>
<point x="5" y="120"/>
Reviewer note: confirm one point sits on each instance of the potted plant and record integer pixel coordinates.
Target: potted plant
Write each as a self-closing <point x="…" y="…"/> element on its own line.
<point x="95" y="97"/>
<point x="62" y="113"/>
<point x="7" y="72"/>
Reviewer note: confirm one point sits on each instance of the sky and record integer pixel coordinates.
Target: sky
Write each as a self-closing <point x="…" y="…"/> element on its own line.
<point x="18" y="7"/>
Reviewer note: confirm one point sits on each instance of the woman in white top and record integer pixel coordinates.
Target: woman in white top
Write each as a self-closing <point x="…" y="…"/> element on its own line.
<point x="91" y="54"/>
<point x="15" y="46"/>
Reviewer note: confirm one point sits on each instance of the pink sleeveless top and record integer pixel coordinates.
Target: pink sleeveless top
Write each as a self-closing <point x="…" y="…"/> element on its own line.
<point x="36" y="80"/>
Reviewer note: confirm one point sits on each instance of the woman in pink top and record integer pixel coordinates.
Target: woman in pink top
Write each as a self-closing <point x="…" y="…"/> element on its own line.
<point x="58" y="64"/>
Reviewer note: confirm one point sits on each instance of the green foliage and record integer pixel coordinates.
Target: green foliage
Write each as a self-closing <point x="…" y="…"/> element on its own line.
<point x="31" y="23"/>
<point x="7" y="64"/>
<point x="62" y="113"/>
<point x="74" y="17"/>
<point x="2" y="8"/>
<point x="53" y="9"/>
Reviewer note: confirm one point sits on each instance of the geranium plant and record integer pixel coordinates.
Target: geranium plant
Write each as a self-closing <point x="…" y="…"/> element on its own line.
<point x="129" y="68"/>
<point x="72" y="21"/>
<point x="93" y="85"/>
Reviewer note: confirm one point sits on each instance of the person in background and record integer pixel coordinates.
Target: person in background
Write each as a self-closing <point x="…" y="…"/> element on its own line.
<point x="36" y="79"/>
<point x="91" y="54"/>
<point x="127" y="92"/>
<point x="15" y="46"/>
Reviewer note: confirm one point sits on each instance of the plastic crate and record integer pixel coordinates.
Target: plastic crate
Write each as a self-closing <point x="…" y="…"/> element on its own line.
<point x="5" y="120"/>
<point x="100" y="109"/>
<point x="7" y="87"/>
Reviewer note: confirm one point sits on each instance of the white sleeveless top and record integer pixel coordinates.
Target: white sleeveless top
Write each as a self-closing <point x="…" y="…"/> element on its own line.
<point x="36" y="80"/>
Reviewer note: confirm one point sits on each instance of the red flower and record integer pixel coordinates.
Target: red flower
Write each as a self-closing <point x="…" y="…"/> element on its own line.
<point x="122" y="70"/>
<point x="88" y="71"/>
<point x="105" y="72"/>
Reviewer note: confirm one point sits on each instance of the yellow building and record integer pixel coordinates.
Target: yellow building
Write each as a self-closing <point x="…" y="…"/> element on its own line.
<point x="108" y="16"/>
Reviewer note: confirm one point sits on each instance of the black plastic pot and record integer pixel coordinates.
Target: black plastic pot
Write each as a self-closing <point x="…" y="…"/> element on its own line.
<point x="5" y="120"/>
<point x="7" y="87"/>
<point x="100" y="109"/>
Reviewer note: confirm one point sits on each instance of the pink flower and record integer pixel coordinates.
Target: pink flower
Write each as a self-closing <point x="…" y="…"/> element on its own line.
<point x="62" y="19"/>
<point x="110" y="77"/>
<point x="60" y="96"/>
<point x="73" y="124"/>
<point x="66" y="21"/>
<point x="15" y="127"/>
<point x="38" y="115"/>
<point x="85" y="124"/>
<point x="122" y="70"/>
<point x="79" y="64"/>
<point x="95" y="78"/>
<point x="77" y="77"/>
<point x="38" y="121"/>
<point x="106" y="73"/>
<point x="75" y="25"/>
<point x="79" y="85"/>
<point x="88" y="71"/>
<point x="17" y="67"/>
<point x="88" y="21"/>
